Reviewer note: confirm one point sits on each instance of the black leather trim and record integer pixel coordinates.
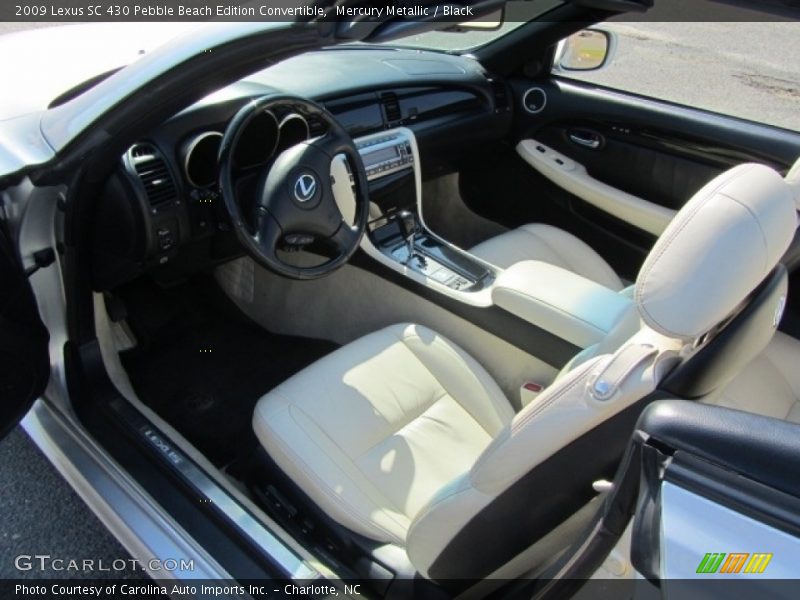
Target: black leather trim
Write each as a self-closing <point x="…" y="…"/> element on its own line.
<point x="760" y="448"/>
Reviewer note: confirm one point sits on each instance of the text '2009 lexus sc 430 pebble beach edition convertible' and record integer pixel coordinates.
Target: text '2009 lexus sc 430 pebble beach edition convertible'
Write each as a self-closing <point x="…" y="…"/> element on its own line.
<point x="399" y="307"/>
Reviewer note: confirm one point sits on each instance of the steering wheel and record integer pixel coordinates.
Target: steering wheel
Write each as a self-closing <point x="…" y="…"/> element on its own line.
<point x="295" y="204"/>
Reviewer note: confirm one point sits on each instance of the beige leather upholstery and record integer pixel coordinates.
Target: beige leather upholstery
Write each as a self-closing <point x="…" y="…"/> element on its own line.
<point x="545" y="243"/>
<point x="549" y="244"/>
<point x="572" y="176"/>
<point x="402" y="437"/>
<point x="371" y="431"/>
<point x="770" y="385"/>
<point x="793" y="179"/>
<point x="562" y="302"/>
<point x="741" y="221"/>
<point x="561" y="414"/>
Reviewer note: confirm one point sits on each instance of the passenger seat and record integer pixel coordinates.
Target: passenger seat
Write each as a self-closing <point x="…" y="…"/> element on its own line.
<point x="549" y="244"/>
<point x="770" y="384"/>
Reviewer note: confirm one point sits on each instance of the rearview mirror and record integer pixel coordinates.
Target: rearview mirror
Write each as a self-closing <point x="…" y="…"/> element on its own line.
<point x="585" y="50"/>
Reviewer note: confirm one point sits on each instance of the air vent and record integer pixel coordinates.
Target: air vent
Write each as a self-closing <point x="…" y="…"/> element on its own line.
<point x="391" y="107"/>
<point x="152" y="170"/>
<point x="500" y="93"/>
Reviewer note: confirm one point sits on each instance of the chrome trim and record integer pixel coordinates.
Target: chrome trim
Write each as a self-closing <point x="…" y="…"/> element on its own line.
<point x="392" y="138"/>
<point x="525" y="100"/>
<point x="592" y="144"/>
<point x="132" y="516"/>
<point x="190" y="148"/>
<point x="292" y="116"/>
<point x="302" y="192"/>
<point x="281" y="554"/>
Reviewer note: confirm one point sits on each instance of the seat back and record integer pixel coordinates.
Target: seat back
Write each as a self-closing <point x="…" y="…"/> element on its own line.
<point x="719" y="248"/>
<point x="720" y="355"/>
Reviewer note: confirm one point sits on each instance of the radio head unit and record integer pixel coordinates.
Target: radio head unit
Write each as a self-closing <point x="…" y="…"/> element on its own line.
<point x="385" y="153"/>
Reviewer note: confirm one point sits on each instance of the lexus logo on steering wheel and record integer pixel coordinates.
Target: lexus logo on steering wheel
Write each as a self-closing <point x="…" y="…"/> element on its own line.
<point x="305" y="187"/>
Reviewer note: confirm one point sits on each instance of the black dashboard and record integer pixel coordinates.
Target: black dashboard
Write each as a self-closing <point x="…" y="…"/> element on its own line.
<point x="161" y="211"/>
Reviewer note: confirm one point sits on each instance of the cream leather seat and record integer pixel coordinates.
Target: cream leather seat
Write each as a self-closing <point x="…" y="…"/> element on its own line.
<point x="549" y="244"/>
<point x="402" y="438"/>
<point x="770" y="384"/>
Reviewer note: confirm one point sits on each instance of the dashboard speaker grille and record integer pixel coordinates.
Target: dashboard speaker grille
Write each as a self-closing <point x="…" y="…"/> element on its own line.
<point x="152" y="170"/>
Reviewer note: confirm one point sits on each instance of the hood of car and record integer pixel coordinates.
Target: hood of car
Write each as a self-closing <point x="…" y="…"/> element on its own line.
<point x="49" y="61"/>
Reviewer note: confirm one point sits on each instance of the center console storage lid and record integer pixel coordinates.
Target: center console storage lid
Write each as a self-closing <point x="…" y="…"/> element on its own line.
<point x="572" y="307"/>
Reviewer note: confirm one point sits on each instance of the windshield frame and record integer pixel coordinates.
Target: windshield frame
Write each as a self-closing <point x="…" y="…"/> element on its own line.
<point x="516" y="14"/>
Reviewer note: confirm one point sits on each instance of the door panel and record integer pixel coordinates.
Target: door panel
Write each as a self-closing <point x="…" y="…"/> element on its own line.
<point x="572" y="176"/>
<point x="718" y="502"/>
<point x="655" y="151"/>
<point x="628" y="162"/>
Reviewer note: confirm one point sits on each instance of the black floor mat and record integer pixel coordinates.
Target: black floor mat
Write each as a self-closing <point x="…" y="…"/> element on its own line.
<point x="202" y="365"/>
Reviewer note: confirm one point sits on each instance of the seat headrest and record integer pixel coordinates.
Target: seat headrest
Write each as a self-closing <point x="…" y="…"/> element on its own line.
<point x="716" y="251"/>
<point x="793" y="179"/>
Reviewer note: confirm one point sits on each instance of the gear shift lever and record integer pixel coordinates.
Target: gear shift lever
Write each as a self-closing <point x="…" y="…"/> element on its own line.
<point x="408" y="226"/>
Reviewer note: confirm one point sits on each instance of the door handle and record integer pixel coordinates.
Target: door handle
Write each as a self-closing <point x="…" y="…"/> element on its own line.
<point x="586" y="139"/>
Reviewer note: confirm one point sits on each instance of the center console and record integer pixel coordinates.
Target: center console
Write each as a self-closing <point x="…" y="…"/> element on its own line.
<point x="397" y="236"/>
<point x="570" y="308"/>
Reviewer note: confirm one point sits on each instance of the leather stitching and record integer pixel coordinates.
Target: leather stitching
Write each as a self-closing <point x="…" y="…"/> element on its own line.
<point x="640" y="291"/>
<point x="323" y="486"/>
<point x="461" y="362"/>
<point x="544" y="405"/>
<point x="402" y="426"/>
<point x="609" y="274"/>
<point x="758" y="224"/>
<point x="550" y="247"/>
<point x="435" y="503"/>
<point x="579" y="373"/>
<point x="333" y="441"/>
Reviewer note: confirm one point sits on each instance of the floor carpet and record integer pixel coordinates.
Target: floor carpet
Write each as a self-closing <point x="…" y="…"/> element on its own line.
<point x="202" y="365"/>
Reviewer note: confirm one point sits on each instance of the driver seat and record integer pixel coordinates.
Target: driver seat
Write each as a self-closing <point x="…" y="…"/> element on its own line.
<point x="404" y="439"/>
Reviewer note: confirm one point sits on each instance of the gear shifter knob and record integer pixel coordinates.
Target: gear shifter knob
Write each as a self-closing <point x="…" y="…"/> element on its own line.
<point x="408" y="223"/>
<point x="408" y="227"/>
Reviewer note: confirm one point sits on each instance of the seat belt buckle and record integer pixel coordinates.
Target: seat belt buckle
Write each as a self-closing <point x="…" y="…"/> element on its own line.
<point x="528" y="392"/>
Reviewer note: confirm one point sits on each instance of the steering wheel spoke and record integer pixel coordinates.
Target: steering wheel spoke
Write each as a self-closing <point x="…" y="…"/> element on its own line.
<point x="268" y="234"/>
<point x="345" y="238"/>
<point x="296" y="194"/>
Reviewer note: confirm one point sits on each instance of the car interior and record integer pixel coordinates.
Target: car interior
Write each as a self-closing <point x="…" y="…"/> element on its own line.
<point x="408" y="305"/>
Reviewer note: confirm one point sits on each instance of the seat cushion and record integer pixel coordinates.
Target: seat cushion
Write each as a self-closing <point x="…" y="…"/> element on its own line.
<point x="545" y="243"/>
<point x="770" y="384"/>
<point x="373" y="430"/>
